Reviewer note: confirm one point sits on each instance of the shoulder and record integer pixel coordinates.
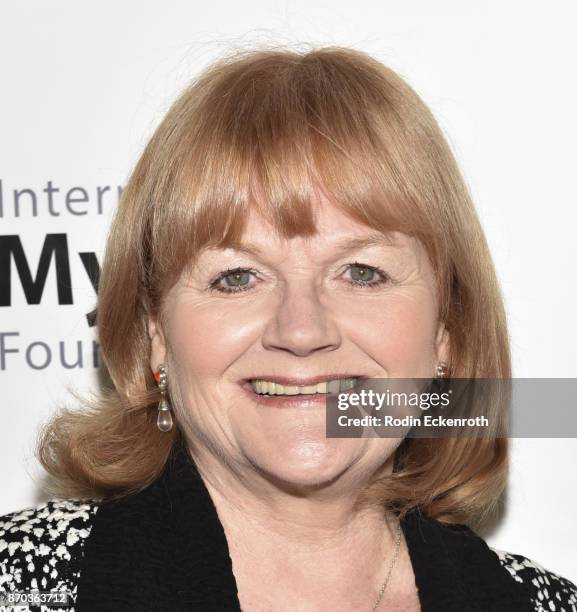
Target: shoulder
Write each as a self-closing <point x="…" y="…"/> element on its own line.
<point x="548" y="591"/>
<point x="41" y="546"/>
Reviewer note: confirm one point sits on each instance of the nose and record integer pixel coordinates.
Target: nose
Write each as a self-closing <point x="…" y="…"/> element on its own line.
<point x="301" y="324"/>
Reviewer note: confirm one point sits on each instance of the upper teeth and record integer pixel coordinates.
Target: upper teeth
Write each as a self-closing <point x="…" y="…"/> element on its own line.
<point x="329" y="386"/>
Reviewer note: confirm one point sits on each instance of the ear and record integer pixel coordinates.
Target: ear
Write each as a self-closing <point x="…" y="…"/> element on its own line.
<point x="157" y="344"/>
<point x="442" y="344"/>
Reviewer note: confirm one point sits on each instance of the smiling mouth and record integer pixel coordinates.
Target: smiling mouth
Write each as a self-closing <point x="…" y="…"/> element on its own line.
<point x="336" y="385"/>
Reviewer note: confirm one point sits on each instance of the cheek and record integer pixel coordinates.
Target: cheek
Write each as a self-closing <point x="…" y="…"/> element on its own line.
<point x="398" y="332"/>
<point x="203" y="341"/>
<point x="207" y="339"/>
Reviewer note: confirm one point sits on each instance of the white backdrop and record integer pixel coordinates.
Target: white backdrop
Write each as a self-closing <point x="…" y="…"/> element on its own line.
<point x="84" y="84"/>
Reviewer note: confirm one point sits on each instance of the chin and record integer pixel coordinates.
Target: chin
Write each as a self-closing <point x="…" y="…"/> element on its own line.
<point x="310" y="464"/>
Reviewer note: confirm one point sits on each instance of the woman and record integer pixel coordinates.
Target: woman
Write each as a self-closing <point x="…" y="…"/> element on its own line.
<point x="296" y="222"/>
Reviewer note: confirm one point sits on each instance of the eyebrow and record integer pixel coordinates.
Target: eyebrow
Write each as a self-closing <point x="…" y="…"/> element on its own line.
<point x="348" y="244"/>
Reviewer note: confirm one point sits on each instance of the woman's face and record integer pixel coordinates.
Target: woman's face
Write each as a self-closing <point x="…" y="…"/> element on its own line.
<point x="327" y="306"/>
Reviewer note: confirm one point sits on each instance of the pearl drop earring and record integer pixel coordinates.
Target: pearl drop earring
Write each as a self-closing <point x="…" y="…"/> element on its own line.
<point x="164" y="420"/>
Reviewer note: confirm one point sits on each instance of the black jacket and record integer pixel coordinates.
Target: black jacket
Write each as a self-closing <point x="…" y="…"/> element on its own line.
<point x="164" y="549"/>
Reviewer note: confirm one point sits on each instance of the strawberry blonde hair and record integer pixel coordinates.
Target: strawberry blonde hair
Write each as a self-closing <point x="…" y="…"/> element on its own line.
<point x="266" y="128"/>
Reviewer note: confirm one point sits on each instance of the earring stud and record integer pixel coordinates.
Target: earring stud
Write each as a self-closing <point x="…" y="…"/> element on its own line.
<point x="164" y="419"/>
<point x="441" y="370"/>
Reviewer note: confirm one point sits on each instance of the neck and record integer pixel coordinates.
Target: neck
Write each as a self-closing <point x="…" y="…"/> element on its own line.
<point x="313" y="542"/>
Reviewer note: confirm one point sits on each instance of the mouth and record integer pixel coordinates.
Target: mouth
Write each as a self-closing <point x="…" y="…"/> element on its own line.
<point x="337" y="385"/>
<point x="275" y="389"/>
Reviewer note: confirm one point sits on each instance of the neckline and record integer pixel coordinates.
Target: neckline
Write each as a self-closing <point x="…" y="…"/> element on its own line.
<point x="454" y="568"/>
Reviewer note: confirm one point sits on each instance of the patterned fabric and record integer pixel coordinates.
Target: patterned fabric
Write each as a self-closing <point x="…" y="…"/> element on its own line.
<point x="41" y="548"/>
<point x="549" y="592"/>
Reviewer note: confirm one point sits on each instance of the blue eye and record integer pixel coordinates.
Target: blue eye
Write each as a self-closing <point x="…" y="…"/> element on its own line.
<point x="238" y="279"/>
<point x="235" y="280"/>
<point x="363" y="275"/>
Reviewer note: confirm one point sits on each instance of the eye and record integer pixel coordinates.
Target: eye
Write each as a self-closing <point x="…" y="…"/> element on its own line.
<point x="233" y="281"/>
<point x="238" y="279"/>
<point x="363" y="275"/>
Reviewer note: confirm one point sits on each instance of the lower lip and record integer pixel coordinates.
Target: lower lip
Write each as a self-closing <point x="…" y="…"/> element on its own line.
<point x="317" y="400"/>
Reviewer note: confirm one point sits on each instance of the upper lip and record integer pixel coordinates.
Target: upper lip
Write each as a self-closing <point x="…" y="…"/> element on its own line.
<point x="300" y="381"/>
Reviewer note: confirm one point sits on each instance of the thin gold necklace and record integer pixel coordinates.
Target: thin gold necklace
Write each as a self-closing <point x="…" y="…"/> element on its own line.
<point x="391" y="566"/>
